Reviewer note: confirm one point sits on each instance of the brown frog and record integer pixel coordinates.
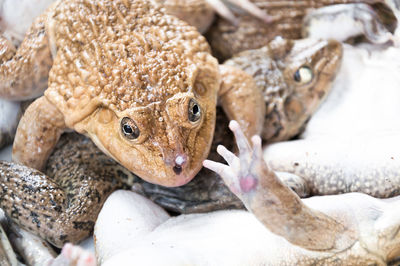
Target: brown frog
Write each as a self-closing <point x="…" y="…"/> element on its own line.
<point x="73" y="167"/>
<point x="227" y="39"/>
<point x="140" y="83"/>
<point x="62" y="205"/>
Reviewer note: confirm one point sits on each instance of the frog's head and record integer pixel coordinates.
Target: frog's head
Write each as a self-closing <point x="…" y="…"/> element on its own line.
<point x="295" y="76"/>
<point x="164" y="137"/>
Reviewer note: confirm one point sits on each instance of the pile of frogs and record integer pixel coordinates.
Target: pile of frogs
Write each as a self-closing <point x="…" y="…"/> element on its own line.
<point x="199" y="132"/>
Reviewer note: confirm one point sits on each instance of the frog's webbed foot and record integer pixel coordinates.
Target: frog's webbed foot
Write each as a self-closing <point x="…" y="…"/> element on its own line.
<point x="74" y="255"/>
<point x="24" y="72"/>
<point x="221" y="8"/>
<point x="274" y="204"/>
<point x="354" y="19"/>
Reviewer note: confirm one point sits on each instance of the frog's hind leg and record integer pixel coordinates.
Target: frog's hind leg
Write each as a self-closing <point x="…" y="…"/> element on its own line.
<point x="24" y="71"/>
<point x="62" y="206"/>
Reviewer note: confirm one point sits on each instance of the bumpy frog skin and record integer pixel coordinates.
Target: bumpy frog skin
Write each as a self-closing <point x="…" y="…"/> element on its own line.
<point x="227" y="39"/>
<point x="295" y="77"/>
<point x="140" y="83"/>
<point x="79" y="177"/>
<point x="195" y="197"/>
<point x="280" y="229"/>
<point x="345" y="142"/>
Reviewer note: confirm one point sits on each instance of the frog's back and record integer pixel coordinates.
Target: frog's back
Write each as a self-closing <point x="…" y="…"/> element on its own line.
<point x="120" y="54"/>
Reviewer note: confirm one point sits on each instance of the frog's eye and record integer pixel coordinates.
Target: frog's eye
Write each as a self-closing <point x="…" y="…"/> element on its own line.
<point x="303" y="75"/>
<point x="194" y="111"/>
<point x="129" y="128"/>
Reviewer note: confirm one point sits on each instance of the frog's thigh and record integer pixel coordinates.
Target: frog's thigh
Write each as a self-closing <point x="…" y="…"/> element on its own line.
<point x="38" y="132"/>
<point x="350" y="20"/>
<point x="125" y="217"/>
<point x="242" y="100"/>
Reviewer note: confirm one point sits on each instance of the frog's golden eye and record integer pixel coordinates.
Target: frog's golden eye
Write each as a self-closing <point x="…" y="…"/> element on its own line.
<point x="129" y="128"/>
<point x="303" y="75"/>
<point x="194" y="111"/>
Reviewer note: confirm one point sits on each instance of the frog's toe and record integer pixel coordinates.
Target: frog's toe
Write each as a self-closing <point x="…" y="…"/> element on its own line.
<point x="74" y="255"/>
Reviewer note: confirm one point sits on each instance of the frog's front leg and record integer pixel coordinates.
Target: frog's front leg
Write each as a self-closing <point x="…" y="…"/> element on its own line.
<point x="347" y="20"/>
<point x="38" y="132"/>
<point x="24" y="72"/>
<point x="242" y="100"/>
<point x="274" y="204"/>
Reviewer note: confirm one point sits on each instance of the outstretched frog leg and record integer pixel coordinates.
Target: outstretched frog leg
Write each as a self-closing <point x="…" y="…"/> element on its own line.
<point x="38" y="132"/>
<point x="63" y="205"/>
<point x="274" y="204"/>
<point x="355" y="19"/>
<point x="242" y="100"/>
<point x="24" y="72"/>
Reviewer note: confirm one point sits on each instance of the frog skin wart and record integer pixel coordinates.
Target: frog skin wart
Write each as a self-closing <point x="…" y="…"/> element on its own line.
<point x="347" y="229"/>
<point x="140" y="83"/>
<point x="61" y="205"/>
<point x="295" y="78"/>
<point x="227" y="39"/>
<point x="196" y="196"/>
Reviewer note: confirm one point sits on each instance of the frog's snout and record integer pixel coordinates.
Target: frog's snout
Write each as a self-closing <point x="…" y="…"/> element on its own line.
<point x="180" y="161"/>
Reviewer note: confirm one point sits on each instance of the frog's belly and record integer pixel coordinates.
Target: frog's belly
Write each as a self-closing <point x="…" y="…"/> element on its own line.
<point x="365" y="163"/>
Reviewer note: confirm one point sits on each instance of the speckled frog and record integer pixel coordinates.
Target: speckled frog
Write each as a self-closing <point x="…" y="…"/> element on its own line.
<point x="140" y="83"/>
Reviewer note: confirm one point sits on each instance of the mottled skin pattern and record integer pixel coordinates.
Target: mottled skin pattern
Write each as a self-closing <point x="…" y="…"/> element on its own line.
<point x="206" y="192"/>
<point x="125" y="61"/>
<point x="291" y="96"/>
<point x="346" y="146"/>
<point x="287" y="20"/>
<point x="62" y="205"/>
<point x="58" y="206"/>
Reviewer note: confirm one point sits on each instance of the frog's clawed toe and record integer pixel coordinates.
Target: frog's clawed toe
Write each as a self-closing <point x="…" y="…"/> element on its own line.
<point x="240" y="175"/>
<point x="74" y="255"/>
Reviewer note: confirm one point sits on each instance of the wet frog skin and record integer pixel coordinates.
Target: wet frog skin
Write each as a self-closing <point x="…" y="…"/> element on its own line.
<point x="204" y="193"/>
<point x="140" y="83"/>
<point x="62" y="205"/>
<point x="295" y="78"/>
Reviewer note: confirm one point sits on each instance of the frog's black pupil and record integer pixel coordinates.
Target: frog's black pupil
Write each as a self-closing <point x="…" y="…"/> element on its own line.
<point x="128" y="129"/>
<point x="297" y="76"/>
<point x="195" y="109"/>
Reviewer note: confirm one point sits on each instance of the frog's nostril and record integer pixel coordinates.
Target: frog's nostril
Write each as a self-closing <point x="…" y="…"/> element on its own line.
<point x="177" y="169"/>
